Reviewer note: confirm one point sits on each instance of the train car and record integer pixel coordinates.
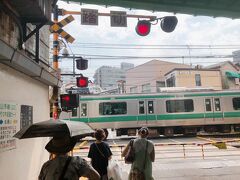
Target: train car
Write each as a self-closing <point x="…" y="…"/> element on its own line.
<point x="163" y="113"/>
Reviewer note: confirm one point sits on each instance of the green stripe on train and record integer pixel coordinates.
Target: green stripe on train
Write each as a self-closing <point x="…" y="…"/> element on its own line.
<point x="126" y="97"/>
<point x="159" y="96"/>
<point x="214" y="94"/>
<point x="157" y="117"/>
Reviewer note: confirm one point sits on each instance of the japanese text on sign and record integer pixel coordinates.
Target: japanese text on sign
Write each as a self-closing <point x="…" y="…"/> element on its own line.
<point x="89" y="17"/>
<point x="118" y="18"/>
<point x="26" y="116"/>
<point x="8" y="126"/>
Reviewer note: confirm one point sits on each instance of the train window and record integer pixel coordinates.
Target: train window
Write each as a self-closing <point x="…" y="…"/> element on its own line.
<point x="185" y="105"/>
<point x="141" y="107"/>
<point x="236" y="103"/>
<point x="74" y="112"/>
<point x="150" y="107"/>
<point x="114" y="108"/>
<point x="83" y="109"/>
<point x="208" y="104"/>
<point x="217" y="104"/>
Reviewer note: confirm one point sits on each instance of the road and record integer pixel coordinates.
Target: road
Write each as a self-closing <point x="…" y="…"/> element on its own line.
<point x="185" y="158"/>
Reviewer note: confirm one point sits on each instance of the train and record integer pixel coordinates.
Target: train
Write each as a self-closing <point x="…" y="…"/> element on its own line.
<point x="165" y="113"/>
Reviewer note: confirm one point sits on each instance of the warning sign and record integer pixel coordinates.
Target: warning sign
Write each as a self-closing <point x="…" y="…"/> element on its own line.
<point x="89" y="17"/>
<point x="118" y="18"/>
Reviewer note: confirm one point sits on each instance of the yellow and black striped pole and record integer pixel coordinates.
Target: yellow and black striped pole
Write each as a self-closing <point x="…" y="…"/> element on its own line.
<point x="55" y="62"/>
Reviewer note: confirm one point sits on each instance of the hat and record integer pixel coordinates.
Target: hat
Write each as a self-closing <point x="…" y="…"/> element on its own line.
<point x="60" y="144"/>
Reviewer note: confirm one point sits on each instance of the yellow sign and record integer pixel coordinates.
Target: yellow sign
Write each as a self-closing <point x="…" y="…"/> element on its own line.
<point x="57" y="28"/>
<point x="221" y="145"/>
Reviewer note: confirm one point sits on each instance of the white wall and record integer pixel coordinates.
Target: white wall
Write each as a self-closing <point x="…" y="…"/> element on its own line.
<point x="24" y="162"/>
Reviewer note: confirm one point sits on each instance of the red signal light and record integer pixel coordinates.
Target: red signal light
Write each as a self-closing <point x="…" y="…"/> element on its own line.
<point x="143" y="27"/>
<point x="66" y="98"/>
<point x="55" y="115"/>
<point x="69" y="101"/>
<point x="82" y="81"/>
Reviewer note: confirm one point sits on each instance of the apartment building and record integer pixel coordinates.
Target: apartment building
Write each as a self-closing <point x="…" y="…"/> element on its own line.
<point x="150" y="76"/>
<point x="194" y="78"/>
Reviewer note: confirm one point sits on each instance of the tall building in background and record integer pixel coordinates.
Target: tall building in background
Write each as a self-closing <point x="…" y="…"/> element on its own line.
<point x="107" y="77"/>
<point x="236" y="57"/>
<point x="126" y="66"/>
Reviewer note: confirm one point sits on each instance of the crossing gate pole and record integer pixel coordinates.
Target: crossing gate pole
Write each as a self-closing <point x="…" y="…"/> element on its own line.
<point x="55" y="61"/>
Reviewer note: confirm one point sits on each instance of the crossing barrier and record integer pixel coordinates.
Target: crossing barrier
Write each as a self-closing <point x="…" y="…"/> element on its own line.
<point x="219" y="144"/>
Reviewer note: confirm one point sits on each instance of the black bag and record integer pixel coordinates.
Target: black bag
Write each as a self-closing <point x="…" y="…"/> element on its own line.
<point x="129" y="158"/>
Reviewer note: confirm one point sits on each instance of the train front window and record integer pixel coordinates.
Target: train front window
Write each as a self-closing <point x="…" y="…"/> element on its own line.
<point x="150" y="107"/>
<point x="115" y="108"/>
<point x="217" y="104"/>
<point x="141" y="107"/>
<point x="236" y="103"/>
<point x="83" y="109"/>
<point x="208" y="105"/>
<point x="177" y="106"/>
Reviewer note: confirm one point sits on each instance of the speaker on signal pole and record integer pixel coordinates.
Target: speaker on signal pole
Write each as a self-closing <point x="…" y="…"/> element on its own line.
<point x="82" y="64"/>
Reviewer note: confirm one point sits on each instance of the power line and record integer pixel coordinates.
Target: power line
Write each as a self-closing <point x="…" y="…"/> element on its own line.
<point x="152" y="48"/>
<point x="162" y="45"/>
<point x="151" y="57"/>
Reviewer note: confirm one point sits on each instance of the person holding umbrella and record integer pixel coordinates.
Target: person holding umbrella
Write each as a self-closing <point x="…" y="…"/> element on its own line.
<point x="65" y="135"/>
<point x="64" y="167"/>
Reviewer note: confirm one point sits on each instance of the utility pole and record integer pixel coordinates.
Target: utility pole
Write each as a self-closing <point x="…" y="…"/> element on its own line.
<point x="55" y="62"/>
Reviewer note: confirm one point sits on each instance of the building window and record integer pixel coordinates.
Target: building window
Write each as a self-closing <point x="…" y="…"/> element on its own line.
<point x="115" y="108"/>
<point x="133" y="89"/>
<point x="198" y="80"/>
<point x="171" y="82"/>
<point x="176" y="106"/>
<point x="146" y="88"/>
<point x="159" y="84"/>
<point x="236" y="103"/>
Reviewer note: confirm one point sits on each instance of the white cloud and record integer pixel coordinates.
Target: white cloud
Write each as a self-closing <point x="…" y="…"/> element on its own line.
<point x="191" y="30"/>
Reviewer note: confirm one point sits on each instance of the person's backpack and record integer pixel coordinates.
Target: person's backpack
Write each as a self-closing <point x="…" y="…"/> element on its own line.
<point x="129" y="158"/>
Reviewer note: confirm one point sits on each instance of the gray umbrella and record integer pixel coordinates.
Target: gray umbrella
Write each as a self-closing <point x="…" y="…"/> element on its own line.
<point x="55" y="128"/>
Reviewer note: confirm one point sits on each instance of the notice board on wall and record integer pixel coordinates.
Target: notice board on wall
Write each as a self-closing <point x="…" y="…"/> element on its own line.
<point x="8" y="125"/>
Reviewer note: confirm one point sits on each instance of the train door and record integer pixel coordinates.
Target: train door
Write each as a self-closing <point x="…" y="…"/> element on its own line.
<point x="145" y="111"/>
<point x="213" y="109"/>
<point x="84" y="112"/>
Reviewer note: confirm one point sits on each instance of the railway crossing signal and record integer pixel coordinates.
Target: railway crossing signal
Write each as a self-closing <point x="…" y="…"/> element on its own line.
<point x="57" y="28"/>
<point x="143" y="28"/>
<point x="82" y="81"/>
<point x="169" y="23"/>
<point x="69" y="101"/>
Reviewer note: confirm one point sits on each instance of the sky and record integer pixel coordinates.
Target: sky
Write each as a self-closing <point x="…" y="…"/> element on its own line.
<point x="220" y="36"/>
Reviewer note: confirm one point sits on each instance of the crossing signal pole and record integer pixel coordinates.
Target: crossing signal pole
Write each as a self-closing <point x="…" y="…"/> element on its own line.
<point x="55" y="62"/>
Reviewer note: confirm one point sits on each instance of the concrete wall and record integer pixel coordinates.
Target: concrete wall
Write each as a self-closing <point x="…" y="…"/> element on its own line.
<point x="25" y="161"/>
